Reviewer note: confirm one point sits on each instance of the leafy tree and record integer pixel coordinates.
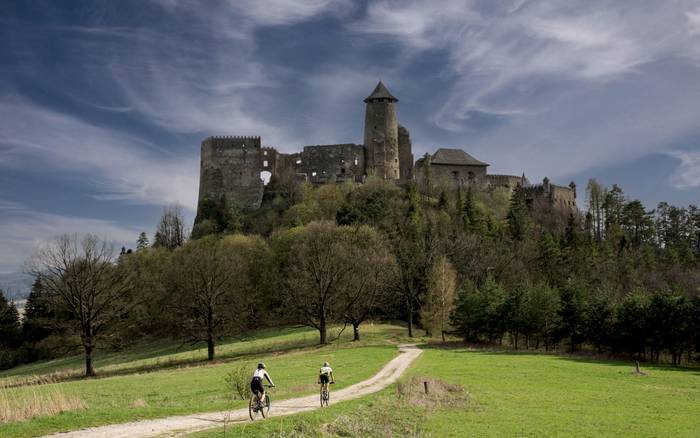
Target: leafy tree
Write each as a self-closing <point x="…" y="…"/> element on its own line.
<point x="440" y="298"/>
<point x="632" y="323"/>
<point x="371" y="285"/>
<point x="206" y="275"/>
<point x="314" y="274"/>
<point x="412" y="251"/>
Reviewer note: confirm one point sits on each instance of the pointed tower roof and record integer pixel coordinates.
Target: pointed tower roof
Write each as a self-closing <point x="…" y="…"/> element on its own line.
<point x="380" y="92"/>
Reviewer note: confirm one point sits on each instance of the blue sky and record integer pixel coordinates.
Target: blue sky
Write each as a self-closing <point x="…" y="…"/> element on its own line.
<point x="103" y="104"/>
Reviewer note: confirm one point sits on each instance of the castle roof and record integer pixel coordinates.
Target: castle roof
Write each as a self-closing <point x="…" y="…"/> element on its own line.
<point x="455" y="157"/>
<point x="381" y="92"/>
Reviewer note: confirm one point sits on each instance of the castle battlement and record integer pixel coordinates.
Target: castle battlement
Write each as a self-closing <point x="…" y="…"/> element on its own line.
<point x="233" y="137"/>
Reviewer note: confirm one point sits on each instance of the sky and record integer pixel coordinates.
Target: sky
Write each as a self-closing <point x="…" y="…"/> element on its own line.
<point x="103" y="104"/>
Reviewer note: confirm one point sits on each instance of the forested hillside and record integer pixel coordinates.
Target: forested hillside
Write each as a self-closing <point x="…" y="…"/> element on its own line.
<point x="620" y="279"/>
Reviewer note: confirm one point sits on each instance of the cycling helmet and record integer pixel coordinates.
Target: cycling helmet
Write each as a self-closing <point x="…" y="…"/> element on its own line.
<point x="325" y="364"/>
<point x="261" y="366"/>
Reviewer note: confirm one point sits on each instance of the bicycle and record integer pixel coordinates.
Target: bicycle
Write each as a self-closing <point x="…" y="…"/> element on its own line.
<point x="325" y="393"/>
<point x="256" y="406"/>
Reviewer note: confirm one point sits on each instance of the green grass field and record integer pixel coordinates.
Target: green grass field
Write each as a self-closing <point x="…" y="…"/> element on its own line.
<point x="200" y="388"/>
<point x="514" y="395"/>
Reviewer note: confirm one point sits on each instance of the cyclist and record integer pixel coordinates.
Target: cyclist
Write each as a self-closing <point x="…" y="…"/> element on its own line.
<point x="256" y="385"/>
<point x="326" y="375"/>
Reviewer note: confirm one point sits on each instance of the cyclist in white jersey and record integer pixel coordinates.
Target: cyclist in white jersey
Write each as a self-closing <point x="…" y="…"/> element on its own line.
<point x="325" y="374"/>
<point x="257" y="383"/>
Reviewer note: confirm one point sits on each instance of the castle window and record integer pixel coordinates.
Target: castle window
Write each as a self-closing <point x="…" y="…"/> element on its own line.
<point x="313" y="173"/>
<point x="264" y="152"/>
<point x="265" y="163"/>
<point x="355" y="161"/>
<point x="299" y="161"/>
<point x="265" y="176"/>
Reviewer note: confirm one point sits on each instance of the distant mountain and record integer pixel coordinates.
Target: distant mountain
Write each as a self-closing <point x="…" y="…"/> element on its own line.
<point x="16" y="285"/>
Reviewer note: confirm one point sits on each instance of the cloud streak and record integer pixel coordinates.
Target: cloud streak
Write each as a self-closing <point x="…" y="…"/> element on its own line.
<point x="24" y="231"/>
<point x="120" y="166"/>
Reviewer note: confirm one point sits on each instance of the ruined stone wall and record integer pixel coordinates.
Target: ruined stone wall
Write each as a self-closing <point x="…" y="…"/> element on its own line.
<point x="339" y="162"/>
<point x="508" y="181"/>
<point x="231" y="166"/>
<point x="461" y="175"/>
<point x="382" y="139"/>
<point x="405" y="154"/>
<point x="550" y="195"/>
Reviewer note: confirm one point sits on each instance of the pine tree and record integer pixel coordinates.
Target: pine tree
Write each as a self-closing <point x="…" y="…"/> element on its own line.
<point x="519" y="222"/>
<point x="142" y="242"/>
<point x="10" y="328"/>
<point x="37" y="315"/>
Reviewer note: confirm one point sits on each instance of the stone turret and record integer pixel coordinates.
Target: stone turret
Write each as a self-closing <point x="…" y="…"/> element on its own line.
<point x="382" y="134"/>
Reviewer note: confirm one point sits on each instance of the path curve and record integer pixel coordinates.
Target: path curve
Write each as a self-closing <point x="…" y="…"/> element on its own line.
<point x="173" y="426"/>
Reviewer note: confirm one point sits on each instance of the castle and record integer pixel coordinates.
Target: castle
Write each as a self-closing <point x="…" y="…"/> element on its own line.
<point x="234" y="167"/>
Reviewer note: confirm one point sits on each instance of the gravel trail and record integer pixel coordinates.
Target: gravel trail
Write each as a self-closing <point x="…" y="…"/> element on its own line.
<point x="183" y="424"/>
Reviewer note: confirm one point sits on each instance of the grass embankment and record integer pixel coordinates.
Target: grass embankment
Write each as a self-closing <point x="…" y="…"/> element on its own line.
<point x="168" y="353"/>
<point x="201" y="388"/>
<point x="515" y="394"/>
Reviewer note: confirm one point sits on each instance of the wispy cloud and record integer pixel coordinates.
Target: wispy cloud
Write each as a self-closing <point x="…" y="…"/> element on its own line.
<point x="687" y="175"/>
<point x="24" y="231"/>
<point x="573" y="84"/>
<point x="504" y="47"/>
<point x="120" y="166"/>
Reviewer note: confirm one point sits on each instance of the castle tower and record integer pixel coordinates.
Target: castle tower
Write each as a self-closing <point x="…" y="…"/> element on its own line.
<point x="230" y="167"/>
<point x="382" y="134"/>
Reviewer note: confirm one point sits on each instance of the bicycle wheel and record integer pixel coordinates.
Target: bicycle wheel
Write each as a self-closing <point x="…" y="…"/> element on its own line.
<point x="265" y="411"/>
<point x="321" y="395"/>
<point x="253" y="406"/>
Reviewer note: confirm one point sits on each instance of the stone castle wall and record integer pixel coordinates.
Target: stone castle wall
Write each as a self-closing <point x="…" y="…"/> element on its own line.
<point x="405" y="154"/>
<point x="339" y="162"/>
<point x="230" y="167"/>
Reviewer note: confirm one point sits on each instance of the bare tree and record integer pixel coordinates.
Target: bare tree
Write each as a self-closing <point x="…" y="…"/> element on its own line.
<point x="370" y="284"/>
<point x="170" y="232"/>
<point x="82" y="275"/>
<point x="440" y="298"/>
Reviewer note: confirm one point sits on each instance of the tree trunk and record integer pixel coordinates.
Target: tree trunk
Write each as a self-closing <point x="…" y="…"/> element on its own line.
<point x="89" y="370"/>
<point x="210" y="334"/>
<point x="210" y="346"/>
<point x="442" y="332"/>
<point x="322" y="329"/>
<point x="410" y="318"/>
<point x="355" y="332"/>
<point x="516" y="340"/>
<point x="88" y="344"/>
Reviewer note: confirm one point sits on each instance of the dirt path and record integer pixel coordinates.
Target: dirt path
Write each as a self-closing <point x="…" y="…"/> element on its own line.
<point x="173" y="426"/>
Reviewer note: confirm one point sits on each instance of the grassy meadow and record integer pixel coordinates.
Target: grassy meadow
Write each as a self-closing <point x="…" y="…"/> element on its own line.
<point x="512" y="395"/>
<point x="192" y="388"/>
